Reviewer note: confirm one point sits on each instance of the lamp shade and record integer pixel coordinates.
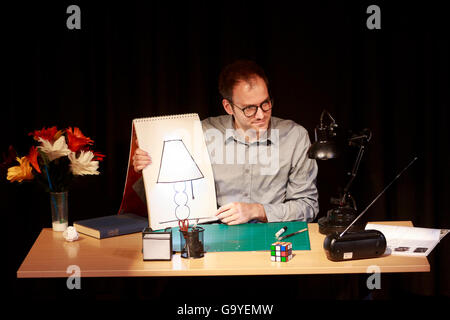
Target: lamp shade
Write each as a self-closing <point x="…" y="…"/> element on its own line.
<point x="325" y="146"/>
<point x="177" y="164"/>
<point x="323" y="150"/>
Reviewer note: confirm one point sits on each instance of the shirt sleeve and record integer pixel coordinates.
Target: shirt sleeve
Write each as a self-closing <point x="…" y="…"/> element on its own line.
<point x="301" y="201"/>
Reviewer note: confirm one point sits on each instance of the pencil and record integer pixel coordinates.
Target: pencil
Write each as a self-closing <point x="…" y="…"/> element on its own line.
<point x="291" y="234"/>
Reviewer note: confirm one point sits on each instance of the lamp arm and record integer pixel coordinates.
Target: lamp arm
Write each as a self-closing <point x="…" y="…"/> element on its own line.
<point x="357" y="140"/>
<point x="333" y="122"/>
<point x="353" y="173"/>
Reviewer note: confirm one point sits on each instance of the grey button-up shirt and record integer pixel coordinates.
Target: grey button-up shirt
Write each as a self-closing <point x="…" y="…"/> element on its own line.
<point x="274" y="171"/>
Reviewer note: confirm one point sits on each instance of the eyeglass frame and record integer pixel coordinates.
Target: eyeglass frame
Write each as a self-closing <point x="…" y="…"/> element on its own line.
<point x="268" y="100"/>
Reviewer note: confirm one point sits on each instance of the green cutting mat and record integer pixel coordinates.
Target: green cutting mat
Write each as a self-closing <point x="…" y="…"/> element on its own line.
<point x="247" y="237"/>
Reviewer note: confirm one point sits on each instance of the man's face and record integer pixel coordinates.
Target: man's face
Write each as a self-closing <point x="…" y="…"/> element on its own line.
<point x="245" y="94"/>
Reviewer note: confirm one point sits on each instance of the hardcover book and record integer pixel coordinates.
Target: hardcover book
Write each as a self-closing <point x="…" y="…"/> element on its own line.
<point x="110" y="226"/>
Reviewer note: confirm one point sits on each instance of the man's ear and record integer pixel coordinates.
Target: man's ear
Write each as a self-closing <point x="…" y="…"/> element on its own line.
<point x="227" y="106"/>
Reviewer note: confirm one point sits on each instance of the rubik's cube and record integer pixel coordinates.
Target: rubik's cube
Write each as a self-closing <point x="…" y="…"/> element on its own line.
<point x="281" y="251"/>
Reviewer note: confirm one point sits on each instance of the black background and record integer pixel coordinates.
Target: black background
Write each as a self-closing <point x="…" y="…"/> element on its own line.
<point x="139" y="59"/>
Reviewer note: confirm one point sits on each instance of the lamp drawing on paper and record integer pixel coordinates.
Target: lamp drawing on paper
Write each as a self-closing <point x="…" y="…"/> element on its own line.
<point x="178" y="167"/>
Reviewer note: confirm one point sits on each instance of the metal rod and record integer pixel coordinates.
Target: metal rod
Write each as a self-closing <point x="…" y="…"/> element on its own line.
<point x="353" y="173"/>
<point x="376" y="198"/>
<point x="329" y="115"/>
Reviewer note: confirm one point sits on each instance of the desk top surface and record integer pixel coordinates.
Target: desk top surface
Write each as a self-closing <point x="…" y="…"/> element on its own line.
<point x="121" y="256"/>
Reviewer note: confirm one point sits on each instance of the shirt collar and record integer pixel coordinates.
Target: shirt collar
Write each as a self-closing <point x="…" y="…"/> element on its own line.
<point x="232" y="134"/>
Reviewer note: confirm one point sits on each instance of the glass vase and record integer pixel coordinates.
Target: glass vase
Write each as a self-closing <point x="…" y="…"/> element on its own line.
<point x="60" y="212"/>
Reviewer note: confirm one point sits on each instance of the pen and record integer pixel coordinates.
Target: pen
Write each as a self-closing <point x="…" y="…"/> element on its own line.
<point x="291" y="234"/>
<point x="195" y="224"/>
<point x="280" y="232"/>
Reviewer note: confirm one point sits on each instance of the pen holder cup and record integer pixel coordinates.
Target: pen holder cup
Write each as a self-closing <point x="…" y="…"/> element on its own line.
<point x="192" y="243"/>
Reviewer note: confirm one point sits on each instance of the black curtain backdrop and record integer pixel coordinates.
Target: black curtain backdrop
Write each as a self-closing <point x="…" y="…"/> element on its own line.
<point x="140" y="59"/>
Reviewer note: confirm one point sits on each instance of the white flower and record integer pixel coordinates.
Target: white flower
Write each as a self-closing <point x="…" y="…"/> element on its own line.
<point x="70" y="234"/>
<point x="56" y="150"/>
<point x="83" y="165"/>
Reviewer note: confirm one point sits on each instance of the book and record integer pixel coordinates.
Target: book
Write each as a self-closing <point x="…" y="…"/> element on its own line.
<point x="110" y="226"/>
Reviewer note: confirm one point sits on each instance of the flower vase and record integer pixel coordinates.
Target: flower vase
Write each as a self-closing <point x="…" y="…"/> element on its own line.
<point x="58" y="204"/>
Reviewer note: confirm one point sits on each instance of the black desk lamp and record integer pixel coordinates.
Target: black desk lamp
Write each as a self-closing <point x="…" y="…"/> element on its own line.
<point x="326" y="147"/>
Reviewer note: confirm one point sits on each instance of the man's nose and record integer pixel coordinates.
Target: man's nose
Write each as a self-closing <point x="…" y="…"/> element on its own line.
<point x="259" y="113"/>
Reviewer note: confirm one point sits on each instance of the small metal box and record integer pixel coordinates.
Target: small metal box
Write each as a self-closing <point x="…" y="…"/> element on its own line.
<point x="157" y="245"/>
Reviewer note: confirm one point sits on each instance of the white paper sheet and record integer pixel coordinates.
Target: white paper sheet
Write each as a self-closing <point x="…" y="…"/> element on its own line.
<point x="197" y="196"/>
<point x="408" y="241"/>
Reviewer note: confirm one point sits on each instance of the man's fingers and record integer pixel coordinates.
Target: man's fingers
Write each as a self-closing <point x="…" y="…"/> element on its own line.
<point x="230" y="219"/>
<point x="224" y="208"/>
<point x="141" y="155"/>
<point x="225" y="214"/>
<point x="141" y="152"/>
<point x="228" y="216"/>
<point x="141" y="159"/>
<point x="139" y="168"/>
<point x="137" y="157"/>
<point x="141" y="164"/>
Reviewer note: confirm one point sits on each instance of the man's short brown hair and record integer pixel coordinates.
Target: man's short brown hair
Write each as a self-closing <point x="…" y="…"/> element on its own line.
<point x="240" y="70"/>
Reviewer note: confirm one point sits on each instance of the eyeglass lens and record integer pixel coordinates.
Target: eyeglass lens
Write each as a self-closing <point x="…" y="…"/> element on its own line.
<point x="251" y="110"/>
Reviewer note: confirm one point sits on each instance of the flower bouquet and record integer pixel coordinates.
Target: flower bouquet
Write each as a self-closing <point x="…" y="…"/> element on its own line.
<point x="60" y="156"/>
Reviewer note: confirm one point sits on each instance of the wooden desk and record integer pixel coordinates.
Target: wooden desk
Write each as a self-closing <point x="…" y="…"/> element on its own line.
<point x="121" y="256"/>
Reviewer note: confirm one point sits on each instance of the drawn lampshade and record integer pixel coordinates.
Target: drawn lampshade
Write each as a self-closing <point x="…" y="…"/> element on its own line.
<point x="177" y="167"/>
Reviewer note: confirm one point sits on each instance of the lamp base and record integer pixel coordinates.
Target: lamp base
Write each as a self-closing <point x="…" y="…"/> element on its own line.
<point x="338" y="219"/>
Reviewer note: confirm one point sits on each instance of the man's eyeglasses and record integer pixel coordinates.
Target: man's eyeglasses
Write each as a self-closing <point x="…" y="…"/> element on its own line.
<point x="250" y="111"/>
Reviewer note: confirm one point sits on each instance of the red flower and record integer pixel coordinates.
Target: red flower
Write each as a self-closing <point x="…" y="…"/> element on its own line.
<point x="32" y="157"/>
<point x="76" y="140"/>
<point x="47" y="134"/>
<point x="98" y="156"/>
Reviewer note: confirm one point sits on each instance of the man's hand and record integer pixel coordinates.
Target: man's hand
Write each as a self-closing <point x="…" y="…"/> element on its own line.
<point x="141" y="159"/>
<point x="241" y="212"/>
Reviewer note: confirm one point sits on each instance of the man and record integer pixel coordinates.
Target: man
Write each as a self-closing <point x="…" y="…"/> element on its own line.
<point x="270" y="177"/>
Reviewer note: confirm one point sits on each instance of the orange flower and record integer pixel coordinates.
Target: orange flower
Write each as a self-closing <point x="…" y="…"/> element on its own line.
<point x="32" y="157"/>
<point x="50" y="134"/>
<point x="20" y="172"/>
<point x="76" y="140"/>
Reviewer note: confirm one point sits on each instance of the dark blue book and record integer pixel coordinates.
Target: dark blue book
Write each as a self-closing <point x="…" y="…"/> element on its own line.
<point x="110" y="226"/>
